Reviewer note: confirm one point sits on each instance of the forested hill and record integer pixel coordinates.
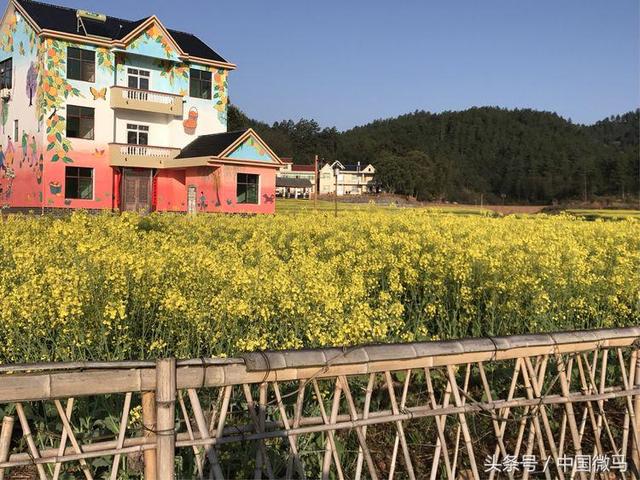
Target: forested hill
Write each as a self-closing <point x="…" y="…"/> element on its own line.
<point x="503" y="155"/>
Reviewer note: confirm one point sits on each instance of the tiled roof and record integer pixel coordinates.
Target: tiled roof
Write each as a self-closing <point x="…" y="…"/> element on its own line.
<point x="293" y="182"/>
<point x="210" y="145"/>
<point x="63" y="19"/>
<point x="303" y="168"/>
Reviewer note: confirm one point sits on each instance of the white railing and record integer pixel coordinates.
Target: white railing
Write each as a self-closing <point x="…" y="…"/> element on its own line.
<point x="146" y="151"/>
<point x="146" y="96"/>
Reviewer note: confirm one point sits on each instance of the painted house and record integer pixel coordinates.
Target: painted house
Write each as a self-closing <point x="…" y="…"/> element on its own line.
<point x="297" y="181"/>
<point x="353" y="179"/>
<point x="102" y="113"/>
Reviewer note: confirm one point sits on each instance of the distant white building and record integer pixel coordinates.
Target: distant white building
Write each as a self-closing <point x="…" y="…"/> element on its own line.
<point x="295" y="181"/>
<point x="353" y="179"/>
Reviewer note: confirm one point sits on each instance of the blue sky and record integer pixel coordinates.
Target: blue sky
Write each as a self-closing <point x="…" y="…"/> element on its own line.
<point x="347" y="62"/>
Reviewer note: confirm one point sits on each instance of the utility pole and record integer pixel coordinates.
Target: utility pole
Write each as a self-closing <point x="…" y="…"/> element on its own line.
<point x="315" y="182"/>
<point x="335" y="196"/>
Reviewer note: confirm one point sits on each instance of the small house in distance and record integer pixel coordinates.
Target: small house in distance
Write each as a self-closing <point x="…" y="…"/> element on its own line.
<point x="295" y="181"/>
<point x="353" y="179"/>
<point x="102" y="113"/>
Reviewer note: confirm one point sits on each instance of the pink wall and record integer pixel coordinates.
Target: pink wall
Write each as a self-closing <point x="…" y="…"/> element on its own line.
<point x="171" y="192"/>
<point x="54" y="180"/>
<point x="21" y="182"/>
<point x="215" y="189"/>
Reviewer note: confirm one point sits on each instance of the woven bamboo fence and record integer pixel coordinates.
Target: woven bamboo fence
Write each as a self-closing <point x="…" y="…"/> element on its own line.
<point x="563" y="405"/>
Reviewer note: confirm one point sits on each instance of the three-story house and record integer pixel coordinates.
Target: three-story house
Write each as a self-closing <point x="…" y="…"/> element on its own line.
<point x="98" y="112"/>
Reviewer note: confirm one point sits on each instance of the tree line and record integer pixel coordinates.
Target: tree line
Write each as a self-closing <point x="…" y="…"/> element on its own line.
<point x="511" y="156"/>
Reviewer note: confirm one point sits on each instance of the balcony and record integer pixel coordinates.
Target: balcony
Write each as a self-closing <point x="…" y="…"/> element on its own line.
<point x="140" y="156"/>
<point x="146" y="101"/>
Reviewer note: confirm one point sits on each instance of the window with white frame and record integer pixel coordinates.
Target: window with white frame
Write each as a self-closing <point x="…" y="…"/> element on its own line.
<point x="137" y="134"/>
<point x="138" y="78"/>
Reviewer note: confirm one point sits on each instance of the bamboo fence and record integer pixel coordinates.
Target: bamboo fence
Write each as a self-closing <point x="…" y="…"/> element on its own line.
<point x="471" y="408"/>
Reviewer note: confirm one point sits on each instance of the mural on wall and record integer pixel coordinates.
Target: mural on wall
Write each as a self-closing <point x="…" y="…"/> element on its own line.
<point x="251" y="149"/>
<point x="220" y="97"/>
<point x="103" y="56"/>
<point x="53" y="90"/>
<point x="191" y="122"/>
<point x="174" y="72"/>
<point x="153" y="42"/>
<point x="32" y="82"/>
<point x="99" y="93"/>
<point x="21" y="160"/>
<point x="8" y="32"/>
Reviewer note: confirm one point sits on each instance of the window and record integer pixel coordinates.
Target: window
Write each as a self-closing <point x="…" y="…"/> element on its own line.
<point x="78" y="183"/>
<point x="137" y="134"/>
<point x="200" y="84"/>
<point x="81" y="64"/>
<point x="5" y="73"/>
<point x="80" y="122"/>
<point x="138" y="79"/>
<point x="16" y="130"/>
<point x="247" y="190"/>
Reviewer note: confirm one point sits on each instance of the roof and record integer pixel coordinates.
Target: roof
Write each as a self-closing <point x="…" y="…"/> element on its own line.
<point x="63" y="19"/>
<point x="354" y="167"/>
<point x="210" y="145"/>
<point x="286" y="159"/>
<point x="293" y="182"/>
<point x="303" y="168"/>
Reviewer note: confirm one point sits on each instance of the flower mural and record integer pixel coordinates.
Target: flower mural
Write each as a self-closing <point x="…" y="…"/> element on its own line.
<point x="153" y="34"/>
<point x="8" y="32"/>
<point x="173" y="72"/>
<point x="220" y="93"/>
<point x="104" y="58"/>
<point x="53" y="89"/>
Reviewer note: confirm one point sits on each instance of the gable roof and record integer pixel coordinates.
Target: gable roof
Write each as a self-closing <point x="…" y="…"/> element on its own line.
<point x="210" y="145"/>
<point x="221" y="145"/>
<point x="63" y="19"/>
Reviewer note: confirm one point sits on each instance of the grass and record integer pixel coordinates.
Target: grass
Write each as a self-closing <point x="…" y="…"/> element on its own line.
<point x="605" y="214"/>
<point x="293" y="206"/>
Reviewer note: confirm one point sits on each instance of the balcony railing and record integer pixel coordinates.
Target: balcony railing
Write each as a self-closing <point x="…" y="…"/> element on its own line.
<point x="146" y="100"/>
<point x="140" y="156"/>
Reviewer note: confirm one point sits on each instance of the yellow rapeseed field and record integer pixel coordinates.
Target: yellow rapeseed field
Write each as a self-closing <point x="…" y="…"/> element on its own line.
<point x="120" y="287"/>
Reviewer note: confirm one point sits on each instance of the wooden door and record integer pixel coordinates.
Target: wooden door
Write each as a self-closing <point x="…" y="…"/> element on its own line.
<point x="136" y="190"/>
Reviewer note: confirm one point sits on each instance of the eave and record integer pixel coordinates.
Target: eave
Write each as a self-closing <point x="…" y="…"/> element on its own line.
<point x="184" y="56"/>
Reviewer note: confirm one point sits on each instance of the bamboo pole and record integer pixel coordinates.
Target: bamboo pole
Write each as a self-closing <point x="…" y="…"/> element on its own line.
<point x="441" y="442"/>
<point x="571" y="418"/>
<point x="357" y="422"/>
<point x="67" y="426"/>
<point x="330" y="433"/>
<point x="149" y="427"/>
<point x="165" y="417"/>
<point x="463" y="422"/>
<point x="365" y="415"/>
<point x="5" y="440"/>
<point x="636" y="427"/>
<point x="329" y="445"/>
<point x="26" y="432"/>
<point x="201" y="424"/>
<point x="261" y="453"/>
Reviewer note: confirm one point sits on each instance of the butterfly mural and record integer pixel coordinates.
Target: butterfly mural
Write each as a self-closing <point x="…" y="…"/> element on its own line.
<point x="99" y="152"/>
<point x="98" y="93"/>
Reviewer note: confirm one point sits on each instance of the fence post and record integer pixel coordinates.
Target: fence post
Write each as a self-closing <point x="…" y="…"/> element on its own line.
<point x="5" y="440"/>
<point x="165" y="417"/>
<point x="149" y="424"/>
